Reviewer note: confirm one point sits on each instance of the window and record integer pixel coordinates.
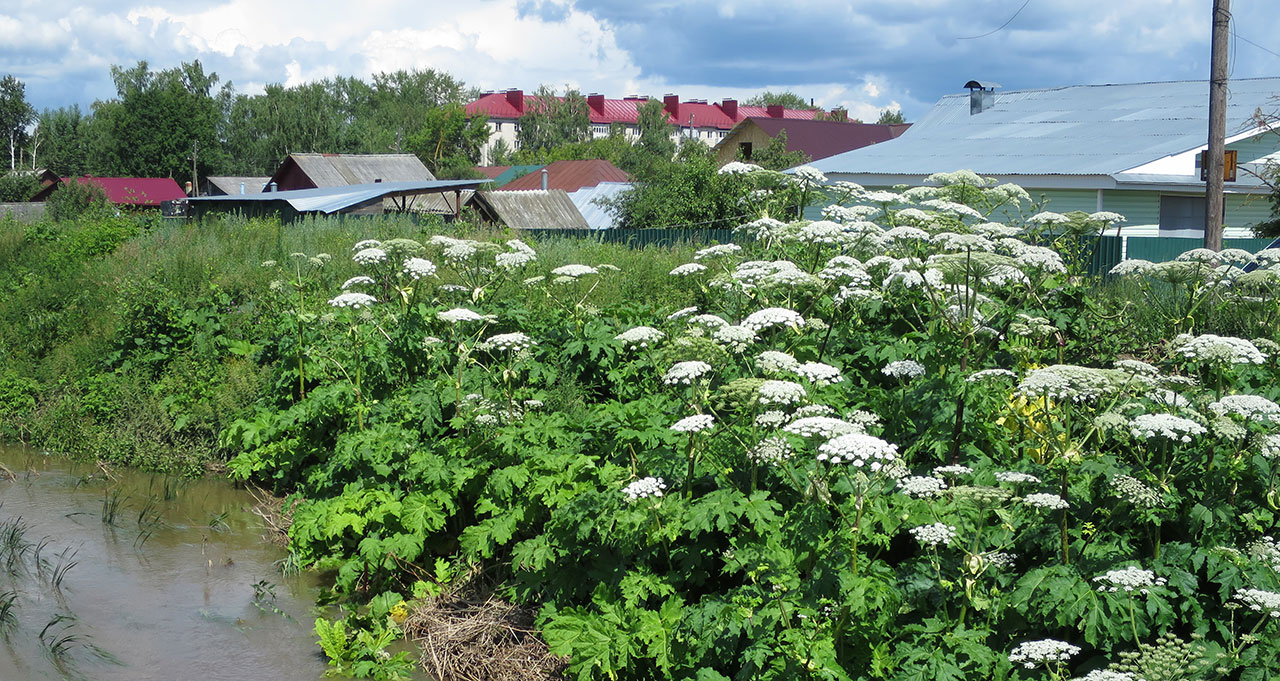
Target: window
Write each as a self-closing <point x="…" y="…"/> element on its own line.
<point x="600" y="130"/>
<point x="744" y="150"/>
<point x="1182" y="216"/>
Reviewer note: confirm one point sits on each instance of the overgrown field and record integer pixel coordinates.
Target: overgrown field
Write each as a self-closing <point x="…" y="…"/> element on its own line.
<point x="901" y="443"/>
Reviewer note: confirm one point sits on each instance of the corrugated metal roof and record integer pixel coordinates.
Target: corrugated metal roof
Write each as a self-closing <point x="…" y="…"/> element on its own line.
<point x="820" y="139"/>
<point x="232" y="185"/>
<point x="597" y="216"/>
<point x="569" y="176"/>
<point x="702" y="114"/>
<point x="1077" y="130"/>
<point x="335" y="199"/>
<point x="535" y="209"/>
<point x="336" y="170"/>
<point x="132" y="191"/>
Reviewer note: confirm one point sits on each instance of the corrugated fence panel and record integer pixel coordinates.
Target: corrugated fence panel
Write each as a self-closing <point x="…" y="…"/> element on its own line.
<point x="641" y="238"/>
<point x="1163" y="249"/>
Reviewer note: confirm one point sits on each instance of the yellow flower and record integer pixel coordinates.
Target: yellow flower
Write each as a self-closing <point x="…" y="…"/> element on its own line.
<point x="399" y="612"/>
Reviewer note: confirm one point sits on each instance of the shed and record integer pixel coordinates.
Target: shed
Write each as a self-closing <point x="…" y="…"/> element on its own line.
<point x="360" y="199"/>
<point x="148" y="192"/>
<point x="570" y="176"/>
<point x="223" y="186"/>
<point x="532" y="209"/>
<point x="588" y="200"/>
<point x="308" y="171"/>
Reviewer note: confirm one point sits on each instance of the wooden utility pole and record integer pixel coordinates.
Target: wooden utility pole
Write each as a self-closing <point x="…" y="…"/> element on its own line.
<point x="1213" y="205"/>
<point x="195" y="149"/>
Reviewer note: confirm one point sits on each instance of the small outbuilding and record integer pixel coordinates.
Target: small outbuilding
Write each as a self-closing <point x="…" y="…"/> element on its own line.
<point x="310" y="171"/>
<point x="531" y="209"/>
<point x="375" y="198"/>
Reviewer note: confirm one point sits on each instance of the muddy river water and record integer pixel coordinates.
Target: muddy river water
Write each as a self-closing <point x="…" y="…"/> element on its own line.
<point x="140" y="577"/>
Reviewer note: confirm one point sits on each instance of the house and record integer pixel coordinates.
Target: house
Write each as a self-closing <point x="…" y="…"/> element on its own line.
<point x="375" y="198"/>
<point x="309" y="171"/>
<point x="223" y="186"/>
<point x="1130" y="149"/>
<point x="817" y="139"/>
<point x="137" y="192"/>
<point x="530" y="209"/>
<point x="569" y="176"/>
<point x="693" y="118"/>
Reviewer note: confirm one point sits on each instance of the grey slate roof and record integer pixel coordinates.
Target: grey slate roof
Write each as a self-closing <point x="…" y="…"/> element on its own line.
<point x="1077" y="130"/>
<point x="530" y="209"/>
<point x="335" y="170"/>
<point x="335" y="199"/>
<point x="595" y="214"/>
<point x="231" y="185"/>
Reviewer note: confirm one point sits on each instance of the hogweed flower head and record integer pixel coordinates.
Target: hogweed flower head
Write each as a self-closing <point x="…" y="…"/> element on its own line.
<point x="459" y="315"/>
<point x="686" y="372"/>
<point x="574" y="271"/>
<point x="776" y="362"/>
<point x="922" y="486"/>
<point x="357" y="281"/>
<point x="640" y="337"/>
<point x="989" y="374"/>
<point x="644" y="488"/>
<point x="903" y="368"/>
<point x="717" y="251"/>
<point x="1130" y="579"/>
<point x="682" y="313"/>
<point x="735" y="338"/>
<point x="1218" y="349"/>
<point x="772" y="316"/>
<point x="370" y="256"/>
<point x="688" y="269"/>
<point x="1032" y="654"/>
<point x="418" y="268"/>
<point x="770" y="450"/>
<point x="1167" y="426"/>
<point x="859" y="450"/>
<point x="1248" y="407"/>
<point x="1051" y="502"/>
<point x="353" y="300"/>
<point x="693" y="424"/>
<point x="1257" y="600"/>
<point x="818" y="373"/>
<point x="781" y="392"/>
<point x="934" y="535"/>
<point x="952" y="470"/>
<point x="821" y="426"/>
<point x="509" y="342"/>
<point x="1136" y="492"/>
<point x="1015" y="477"/>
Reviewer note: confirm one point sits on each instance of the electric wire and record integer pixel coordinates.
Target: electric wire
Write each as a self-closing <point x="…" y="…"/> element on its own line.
<point x="1001" y="26"/>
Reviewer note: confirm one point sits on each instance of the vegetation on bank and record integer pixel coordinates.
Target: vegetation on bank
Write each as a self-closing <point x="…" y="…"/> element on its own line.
<point x="905" y="442"/>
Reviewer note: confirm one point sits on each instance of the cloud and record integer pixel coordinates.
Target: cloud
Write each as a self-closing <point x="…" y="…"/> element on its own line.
<point x="863" y="56"/>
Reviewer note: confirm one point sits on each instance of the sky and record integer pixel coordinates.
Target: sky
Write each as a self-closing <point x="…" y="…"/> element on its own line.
<point x="863" y="55"/>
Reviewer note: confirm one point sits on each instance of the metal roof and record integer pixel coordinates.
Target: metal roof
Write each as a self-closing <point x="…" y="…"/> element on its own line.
<point x="534" y="209"/>
<point x="131" y="191"/>
<point x="819" y="139"/>
<point x="335" y="199"/>
<point x="236" y="185"/>
<point x="723" y="115"/>
<point x="336" y="170"/>
<point x="596" y="215"/>
<point x="1078" y="130"/>
<point x="569" y="176"/>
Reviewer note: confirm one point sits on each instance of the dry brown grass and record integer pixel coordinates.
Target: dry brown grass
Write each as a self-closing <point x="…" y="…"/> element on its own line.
<point x="469" y="635"/>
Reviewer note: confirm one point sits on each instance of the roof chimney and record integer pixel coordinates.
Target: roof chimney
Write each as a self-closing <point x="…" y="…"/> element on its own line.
<point x="544" y="179"/>
<point x="596" y="102"/>
<point x="730" y="108"/>
<point x="516" y="99"/>
<point x="671" y="104"/>
<point x="982" y="96"/>
<point x="775" y="110"/>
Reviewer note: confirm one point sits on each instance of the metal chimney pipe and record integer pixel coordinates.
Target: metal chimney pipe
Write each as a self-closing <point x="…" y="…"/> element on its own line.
<point x="544" y="179"/>
<point x="241" y="187"/>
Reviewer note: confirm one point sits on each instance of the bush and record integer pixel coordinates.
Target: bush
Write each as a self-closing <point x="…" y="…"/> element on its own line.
<point x="75" y="199"/>
<point x="18" y="187"/>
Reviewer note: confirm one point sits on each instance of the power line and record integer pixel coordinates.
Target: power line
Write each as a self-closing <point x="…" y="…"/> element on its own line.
<point x="1001" y="27"/>
<point x="1260" y="47"/>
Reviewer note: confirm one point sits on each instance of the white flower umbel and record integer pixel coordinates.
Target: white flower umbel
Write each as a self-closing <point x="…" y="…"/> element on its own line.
<point x="418" y="268"/>
<point x="821" y="426"/>
<point x="717" y="251"/>
<point x="818" y="373"/>
<point x="708" y="320"/>
<point x="1016" y="478"/>
<point x="693" y="424"/>
<point x="781" y="392"/>
<point x="1048" y="218"/>
<point x="1107" y="675"/>
<point x="574" y="271"/>
<point x="903" y="368"/>
<point x="370" y="256"/>
<point x="509" y="342"/>
<point x="772" y="316"/>
<point x="1066" y="382"/>
<point x="1247" y="407"/>
<point x="776" y="362"/>
<point x="922" y="486"/>
<point x="1129" y="580"/>
<point x="353" y="300"/>
<point x="989" y="375"/>
<point x="772" y="418"/>
<point x="934" y="535"/>
<point x="1266" y="550"/>
<point x="770" y="450"/>
<point x="682" y="313"/>
<point x="1040" y="258"/>
<point x="459" y="315"/>
<point x="367" y="243"/>
<point x="1135" y="267"/>
<point x="1270" y="446"/>
<point x="738" y="168"/>
<point x="688" y="269"/>
<point x="640" y="337"/>
<point x="644" y="488"/>
<point x="952" y="470"/>
<point x="735" y="338"/>
<point x="1032" y="654"/>
<point x="513" y="260"/>
<point x="1052" y="502"/>
<point x="1167" y="426"/>
<point x="357" y="281"/>
<point x="1257" y="600"/>
<point x="686" y="372"/>
<point x="858" y="449"/>
<point x="1218" y="349"/>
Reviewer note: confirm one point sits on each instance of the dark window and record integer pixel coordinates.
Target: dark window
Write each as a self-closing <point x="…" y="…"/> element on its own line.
<point x="1182" y="216"/>
<point x="744" y="150"/>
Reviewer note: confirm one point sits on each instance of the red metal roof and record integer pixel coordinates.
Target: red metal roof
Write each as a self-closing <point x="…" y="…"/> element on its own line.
<point x="569" y="176"/>
<point x="724" y="115"/>
<point x="135" y="191"/>
<point x="491" y="172"/>
<point x="820" y="139"/>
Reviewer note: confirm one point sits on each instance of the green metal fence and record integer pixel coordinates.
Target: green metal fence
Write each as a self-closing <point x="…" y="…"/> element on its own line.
<point x="641" y="238"/>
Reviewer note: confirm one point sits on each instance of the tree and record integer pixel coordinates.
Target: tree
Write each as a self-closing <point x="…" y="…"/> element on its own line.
<point x="786" y="98"/>
<point x="157" y="121"/>
<point x="891" y="117"/>
<point x="654" y="146"/>
<point x="774" y="156"/>
<point x="449" y="141"/>
<point x="64" y="144"/>
<point x="552" y="121"/>
<point x="15" y="115"/>
<point x="401" y="99"/>
<point x="18" y="186"/>
<point x="74" y="199"/>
